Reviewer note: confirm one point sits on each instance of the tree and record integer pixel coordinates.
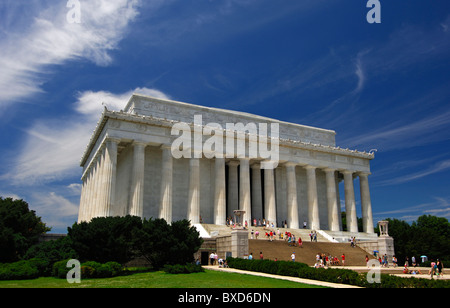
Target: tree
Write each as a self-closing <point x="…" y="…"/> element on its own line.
<point x="426" y="236"/>
<point x="105" y="239"/>
<point x="431" y="236"/>
<point x="161" y="243"/>
<point x="187" y="242"/>
<point x="20" y="228"/>
<point x="154" y="241"/>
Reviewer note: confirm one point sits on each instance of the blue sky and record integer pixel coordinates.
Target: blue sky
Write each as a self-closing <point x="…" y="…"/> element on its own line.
<point x="315" y="62"/>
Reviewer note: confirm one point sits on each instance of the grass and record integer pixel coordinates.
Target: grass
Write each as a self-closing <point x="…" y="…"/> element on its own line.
<point x="208" y="279"/>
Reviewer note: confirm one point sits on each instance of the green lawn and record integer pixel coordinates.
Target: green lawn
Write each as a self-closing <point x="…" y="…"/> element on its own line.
<point x="208" y="279"/>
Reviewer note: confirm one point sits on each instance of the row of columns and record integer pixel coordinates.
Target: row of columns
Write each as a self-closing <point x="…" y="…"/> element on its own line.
<point x="99" y="187"/>
<point x="333" y="211"/>
<point x="99" y="183"/>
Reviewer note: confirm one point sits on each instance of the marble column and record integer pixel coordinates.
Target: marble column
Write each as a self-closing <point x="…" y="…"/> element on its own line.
<point x="257" y="205"/>
<point x="194" y="191"/>
<point x="82" y="208"/>
<point x="313" y="205"/>
<point x="366" y="204"/>
<point x="338" y="199"/>
<point x="332" y="205"/>
<point x="233" y="188"/>
<point x="292" y="204"/>
<point x="220" y="208"/>
<point x="244" y="190"/>
<point x="165" y="207"/>
<point x="270" y="211"/>
<point x="137" y="180"/>
<point x="97" y="184"/>
<point x="109" y="177"/>
<point x="350" y="206"/>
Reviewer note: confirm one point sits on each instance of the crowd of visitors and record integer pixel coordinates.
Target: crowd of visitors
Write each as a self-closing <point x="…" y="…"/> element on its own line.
<point x="326" y="260"/>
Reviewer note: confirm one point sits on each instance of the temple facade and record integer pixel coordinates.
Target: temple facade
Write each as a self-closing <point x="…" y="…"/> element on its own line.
<point x="166" y="159"/>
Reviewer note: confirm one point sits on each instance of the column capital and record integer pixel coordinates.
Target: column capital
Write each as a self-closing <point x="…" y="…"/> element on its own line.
<point x="255" y="165"/>
<point x="290" y="164"/>
<point x="363" y="173"/>
<point x="112" y="139"/>
<point x="309" y="167"/>
<point x="233" y="163"/>
<point x="141" y="143"/>
<point x="328" y="169"/>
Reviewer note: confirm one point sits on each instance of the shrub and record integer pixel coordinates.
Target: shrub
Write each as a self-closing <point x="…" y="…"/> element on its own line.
<point x="53" y="251"/>
<point x="60" y="269"/>
<point x="43" y="266"/>
<point x="18" y="271"/>
<point x="106" y="238"/>
<point x="87" y="271"/>
<point x="90" y="269"/>
<point x="335" y="275"/>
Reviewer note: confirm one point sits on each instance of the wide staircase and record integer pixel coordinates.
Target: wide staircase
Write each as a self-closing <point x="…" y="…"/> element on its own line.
<point x="216" y="230"/>
<point x="280" y="249"/>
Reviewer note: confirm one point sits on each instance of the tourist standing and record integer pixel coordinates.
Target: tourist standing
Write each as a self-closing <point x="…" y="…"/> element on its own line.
<point x="211" y="258"/>
<point x="432" y="269"/>
<point x="293" y="257"/>
<point x="439" y="267"/>
<point x="394" y="261"/>
<point x="343" y="259"/>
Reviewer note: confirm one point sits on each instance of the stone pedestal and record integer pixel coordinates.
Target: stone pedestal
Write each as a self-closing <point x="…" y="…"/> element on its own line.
<point x="385" y="242"/>
<point x="386" y="246"/>
<point x="239" y="243"/>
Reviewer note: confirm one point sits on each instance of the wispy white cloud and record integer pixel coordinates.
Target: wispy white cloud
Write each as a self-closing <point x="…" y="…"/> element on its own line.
<point x="53" y="148"/>
<point x="435" y="168"/>
<point x="47" y="38"/>
<point x="438" y="206"/>
<point x="56" y="210"/>
<point x="400" y="135"/>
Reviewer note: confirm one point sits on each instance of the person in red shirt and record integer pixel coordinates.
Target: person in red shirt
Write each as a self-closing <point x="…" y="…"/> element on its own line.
<point x="343" y="259"/>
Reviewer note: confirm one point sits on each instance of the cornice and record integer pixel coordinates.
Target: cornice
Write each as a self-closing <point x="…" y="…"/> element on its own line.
<point x="163" y="122"/>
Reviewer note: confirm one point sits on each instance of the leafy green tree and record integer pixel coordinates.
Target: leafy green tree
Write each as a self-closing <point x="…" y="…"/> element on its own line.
<point x="154" y="241"/>
<point x="53" y="251"/>
<point x="426" y="236"/>
<point x="431" y="236"/>
<point x="161" y="243"/>
<point x="105" y="239"/>
<point x="20" y="228"/>
<point x="187" y="242"/>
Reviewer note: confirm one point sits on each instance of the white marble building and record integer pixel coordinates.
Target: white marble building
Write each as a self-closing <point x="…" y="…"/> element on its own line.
<point x="129" y="168"/>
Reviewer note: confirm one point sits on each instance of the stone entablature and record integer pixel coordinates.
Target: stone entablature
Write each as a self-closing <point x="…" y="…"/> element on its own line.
<point x="128" y="169"/>
<point x="183" y="112"/>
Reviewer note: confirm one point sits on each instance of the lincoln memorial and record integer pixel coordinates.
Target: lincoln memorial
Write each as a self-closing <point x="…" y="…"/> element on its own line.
<point x="166" y="159"/>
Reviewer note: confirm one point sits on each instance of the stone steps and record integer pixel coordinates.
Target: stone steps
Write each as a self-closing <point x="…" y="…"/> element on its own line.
<point x="354" y="256"/>
<point x="222" y="230"/>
